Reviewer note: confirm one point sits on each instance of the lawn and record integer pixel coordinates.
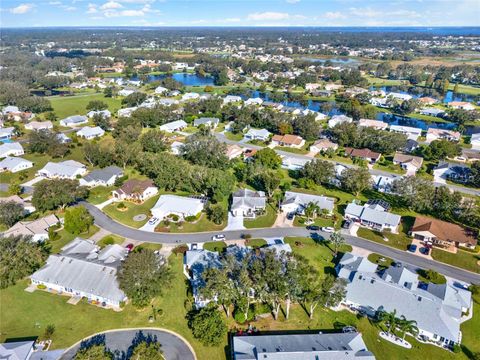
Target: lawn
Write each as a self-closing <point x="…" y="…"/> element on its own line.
<point x="292" y="150"/>
<point x="255" y="243"/>
<point x="217" y="246"/>
<point x="380" y="260"/>
<point x="65" y="237"/>
<point x="39" y="161"/>
<point x="132" y="209"/>
<point x="100" y="194"/>
<point x="399" y="241"/>
<point x="262" y="221"/>
<point x="390" y="167"/>
<point x="110" y="240"/>
<point x="150" y="246"/>
<point x="202" y="224"/>
<point x="318" y="221"/>
<point x="64" y="106"/>
<point x="463" y="259"/>
<point x="233" y="137"/>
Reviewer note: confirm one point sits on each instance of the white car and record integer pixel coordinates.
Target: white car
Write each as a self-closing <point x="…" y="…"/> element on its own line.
<point x="218" y="237"/>
<point x="328" y="229"/>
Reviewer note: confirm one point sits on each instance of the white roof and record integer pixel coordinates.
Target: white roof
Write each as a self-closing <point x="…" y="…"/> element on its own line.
<point x="18" y="350"/>
<point x="160" y="90"/>
<point x="13" y="146"/>
<point x="174" y="125"/>
<point x="168" y="204"/>
<point x="301" y="199"/>
<point x="7" y="131"/>
<point x="74" y="119"/>
<point x="258" y="132"/>
<point x="10" y="108"/>
<point x="67" y="168"/>
<point x="104" y="113"/>
<point x="91" y="131"/>
<point x="11" y="162"/>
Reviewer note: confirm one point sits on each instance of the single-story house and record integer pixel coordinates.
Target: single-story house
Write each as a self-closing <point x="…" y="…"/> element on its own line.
<point x="441" y="233"/>
<point x="69" y="169"/>
<point x="437" y="308"/>
<point x="190" y="96"/>
<point x="295" y="202"/>
<point x="161" y="90"/>
<point x="210" y="122"/>
<point x="176" y="147"/>
<point x="365" y="154"/>
<point x="17" y="350"/>
<point x="81" y="269"/>
<point x="254" y="101"/>
<point x="234" y="151"/>
<point x="136" y="190"/>
<point x="126" y="92"/>
<point x="247" y="203"/>
<point x="475" y="141"/>
<point x="179" y="205"/>
<point x="323" y="145"/>
<point x="469" y="155"/>
<point x="432" y="112"/>
<point x="104" y="113"/>
<point x="90" y="132"/>
<point x="409" y="163"/>
<point x="231" y="99"/>
<point x="339" y="119"/>
<point x="413" y="133"/>
<point x="27" y="205"/>
<point x="126" y="112"/>
<point x="15" y="164"/>
<point x="173" y="126"/>
<point x="64" y="139"/>
<point x="7" y="133"/>
<point x="293" y="162"/>
<point x="293" y="141"/>
<point x="168" y="102"/>
<point x="11" y="149"/>
<point x="399" y="96"/>
<point x="461" y="105"/>
<point x="318" y="115"/>
<point x="74" y="120"/>
<point x="39" y="125"/>
<point x="427" y="100"/>
<point x="451" y="171"/>
<point x="37" y="229"/>
<point x="373" y="214"/>
<point x="301" y="346"/>
<point x="10" y="109"/>
<point x="374" y="124"/>
<point x="258" y="134"/>
<point x="410" y="146"/>
<point x="102" y="177"/>
<point x="383" y="183"/>
<point x="379" y="101"/>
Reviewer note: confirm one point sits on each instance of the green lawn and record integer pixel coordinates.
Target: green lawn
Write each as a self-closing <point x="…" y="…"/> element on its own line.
<point x="100" y="194"/>
<point x="217" y="246"/>
<point x="255" y="243"/>
<point x="64" y="106"/>
<point x="202" y="224"/>
<point x="390" y="167"/>
<point x="318" y="221"/>
<point x="110" y="240"/>
<point x="150" y="246"/>
<point x="262" y="221"/>
<point x="39" y="162"/>
<point x="126" y="216"/>
<point x="399" y="241"/>
<point x="463" y="259"/>
<point x="292" y="150"/>
<point x="66" y="237"/>
<point x="233" y="137"/>
<point x="380" y="260"/>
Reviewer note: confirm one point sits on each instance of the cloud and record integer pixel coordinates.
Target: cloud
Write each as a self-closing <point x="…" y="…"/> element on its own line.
<point x="92" y="9"/>
<point x="22" y="8"/>
<point x="68" y="8"/>
<point x="334" y="15"/>
<point x="292" y="1"/>
<point x="111" y="5"/>
<point x="268" y="16"/>
<point x="123" y="13"/>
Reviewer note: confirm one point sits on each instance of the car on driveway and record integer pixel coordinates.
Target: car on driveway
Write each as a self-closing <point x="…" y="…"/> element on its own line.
<point x="152" y="221"/>
<point x="218" y="237"/>
<point x="412" y="248"/>
<point x="424" y="250"/>
<point x="129" y="247"/>
<point x="290" y="216"/>
<point x="328" y="229"/>
<point x="313" y="227"/>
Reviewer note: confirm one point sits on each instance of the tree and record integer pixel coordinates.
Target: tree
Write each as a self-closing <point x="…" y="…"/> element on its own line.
<point x="216" y="213"/>
<point x="389" y="319"/>
<point x="57" y="193"/>
<point x="416" y="193"/>
<point x="108" y="92"/>
<point x="10" y="212"/>
<point x="95" y="352"/>
<point x="20" y="257"/>
<point x="102" y="121"/>
<point x="78" y="220"/>
<point x="268" y="158"/>
<point x="208" y="326"/>
<point x="205" y="150"/>
<point x="147" y="351"/>
<point x="267" y="181"/>
<point x="337" y="240"/>
<point x="96" y="105"/>
<point x="306" y="127"/>
<point x="319" y="171"/>
<point x="125" y="153"/>
<point x="219" y="286"/>
<point x="440" y="150"/>
<point x="14" y="188"/>
<point x="134" y="99"/>
<point x="143" y="276"/>
<point x="154" y="141"/>
<point x="46" y="142"/>
<point x="49" y="330"/>
<point x="355" y="180"/>
<point x="311" y="210"/>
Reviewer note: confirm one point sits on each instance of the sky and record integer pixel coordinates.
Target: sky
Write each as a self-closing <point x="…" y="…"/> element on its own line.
<point x="42" y="13"/>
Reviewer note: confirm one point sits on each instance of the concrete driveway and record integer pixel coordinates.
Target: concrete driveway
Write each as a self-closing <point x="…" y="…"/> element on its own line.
<point x="149" y="227"/>
<point x="234" y="222"/>
<point x="33" y="181"/>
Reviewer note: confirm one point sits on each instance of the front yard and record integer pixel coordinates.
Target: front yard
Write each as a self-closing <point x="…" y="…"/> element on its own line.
<point x="200" y="225"/>
<point x="125" y="215"/>
<point x="262" y="221"/>
<point x="463" y="259"/>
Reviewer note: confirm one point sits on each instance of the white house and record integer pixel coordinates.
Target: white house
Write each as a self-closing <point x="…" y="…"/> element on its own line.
<point x="90" y="132"/>
<point x="126" y="112"/>
<point x="190" y="96"/>
<point x="104" y="113"/>
<point x="413" y="133"/>
<point x="39" y="125"/>
<point x="295" y="202"/>
<point x="339" y="119"/>
<point x="400" y="96"/>
<point x="475" y="141"/>
<point x="68" y="169"/>
<point x="248" y="203"/>
<point x="461" y="105"/>
<point x="176" y="147"/>
<point x="7" y="133"/>
<point x="378" y="101"/>
<point x="160" y="90"/>
<point x="11" y="149"/>
<point x="64" y="139"/>
<point x="178" y="205"/>
<point x="173" y="126"/>
<point x="74" y="120"/>
<point x="254" y="101"/>
<point x="231" y="99"/>
<point x="438" y="134"/>
<point x="126" y="92"/>
<point x="15" y="164"/>
<point x="210" y="122"/>
<point x="373" y="214"/>
<point x="258" y="134"/>
<point x="10" y="109"/>
<point x="136" y="190"/>
<point x="374" y="124"/>
<point x="37" y="229"/>
<point x="102" y="177"/>
<point x="411" y="164"/>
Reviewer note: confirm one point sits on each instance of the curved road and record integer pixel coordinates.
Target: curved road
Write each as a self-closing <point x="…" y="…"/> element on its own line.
<point x="105" y="222"/>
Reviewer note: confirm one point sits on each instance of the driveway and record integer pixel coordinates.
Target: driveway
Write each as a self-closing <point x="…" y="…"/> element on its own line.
<point x="234" y="222"/>
<point x="120" y="342"/>
<point x="33" y="181"/>
<point x="149" y="227"/>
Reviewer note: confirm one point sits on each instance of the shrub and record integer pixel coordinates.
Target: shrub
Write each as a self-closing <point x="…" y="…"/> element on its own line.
<point x="190" y="218"/>
<point x="121" y="205"/>
<point x="108" y="241"/>
<point x="181" y="249"/>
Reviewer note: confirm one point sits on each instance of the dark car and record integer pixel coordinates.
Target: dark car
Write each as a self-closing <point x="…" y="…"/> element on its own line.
<point x="313" y="227"/>
<point x="290" y="216"/>
<point x="412" y="248"/>
<point x="424" y="250"/>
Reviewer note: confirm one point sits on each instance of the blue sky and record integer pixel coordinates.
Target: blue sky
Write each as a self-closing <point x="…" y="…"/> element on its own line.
<point x="23" y="13"/>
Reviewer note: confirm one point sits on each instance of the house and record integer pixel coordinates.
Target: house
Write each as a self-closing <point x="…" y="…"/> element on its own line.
<point x="432" y="112"/>
<point x="294" y="163"/>
<point x="374" y="215"/>
<point x="339" y="119"/>
<point x="427" y="100"/>
<point x="249" y="154"/>
<point x="90" y="132"/>
<point x="412" y="133"/>
<point x="15" y="164"/>
<point x="126" y="92"/>
<point x="301" y="346"/>
<point x="475" y="141"/>
<point x="254" y="101"/>
<point x="37" y="229"/>
<point x="455" y="172"/>
<point x="383" y="183"/>
<point x="437" y="309"/>
<point x="136" y="190"/>
<point x="39" y="125"/>
<point x="365" y="154"/>
<point x="287" y="140"/>
<point x="312" y="86"/>
<point x="7" y="133"/>
<point x="64" y="139"/>
<point x="104" y="113"/>
<point x="258" y="134"/>
<point x="318" y="115"/>
<point x="210" y="122"/>
<point x="11" y="149"/>
<point x="248" y="203"/>
<point x="333" y="87"/>
<point x="17" y="350"/>
<point x="176" y="147"/>
<point x="442" y="234"/>
<point x="168" y="102"/>
<point x="160" y="90"/>
<point x="27" y="205"/>
<point x="81" y="269"/>
<point x="295" y="202"/>
<point x="74" y="120"/>
<point x="231" y="99"/>
<point x="102" y="177"/>
<point x="399" y="96"/>
<point x="469" y="155"/>
<point x="10" y="109"/>
<point x="380" y="102"/>
<point x="409" y="163"/>
<point x="127" y="112"/>
<point x="461" y="105"/>
<point x="323" y="145"/>
<point x="68" y="169"/>
<point x="190" y="96"/>
<point x="234" y="151"/>
<point x="410" y="146"/>
<point x="181" y="206"/>
<point x="374" y="124"/>
<point x="173" y="126"/>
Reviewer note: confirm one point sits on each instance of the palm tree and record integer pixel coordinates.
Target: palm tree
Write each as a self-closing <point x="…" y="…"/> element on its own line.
<point x="407" y="326"/>
<point x="389" y="319"/>
<point x="311" y="209"/>
<point x="337" y="240"/>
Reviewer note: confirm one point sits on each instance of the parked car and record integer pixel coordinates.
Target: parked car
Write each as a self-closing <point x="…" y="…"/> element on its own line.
<point x="412" y="248"/>
<point x="152" y="221"/>
<point x="129" y="247"/>
<point x="424" y="250"/>
<point x="313" y="227"/>
<point x="347" y="224"/>
<point x="290" y="216"/>
<point x="218" y="237"/>
<point x="328" y="229"/>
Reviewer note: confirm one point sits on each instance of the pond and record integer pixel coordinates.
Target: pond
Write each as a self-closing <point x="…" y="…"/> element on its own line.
<point x="184" y="78"/>
<point x="49" y="92"/>
<point x="335" y="61"/>
<point x="418" y="92"/>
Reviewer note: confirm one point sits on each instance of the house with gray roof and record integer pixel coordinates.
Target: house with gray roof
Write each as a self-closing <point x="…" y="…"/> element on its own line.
<point x="81" y="269"/>
<point x="438" y="309"/>
<point x="295" y="202"/>
<point x="174" y="126"/>
<point x="373" y="215"/>
<point x="102" y="177"/>
<point x="90" y="132"/>
<point x="258" y="134"/>
<point x="210" y="122"/>
<point x="15" y="164"/>
<point x="17" y="350"/>
<point x="11" y="149"/>
<point x="68" y="169"/>
<point x="37" y="229"/>
<point x="316" y="346"/>
<point x="104" y="113"/>
<point x="6" y="133"/>
<point x="74" y="120"/>
<point x="248" y="203"/>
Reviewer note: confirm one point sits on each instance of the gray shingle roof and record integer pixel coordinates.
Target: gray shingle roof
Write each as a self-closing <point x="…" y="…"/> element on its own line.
<point x="104" y="174"/>
<point x="302" y="199"/>
<point x="246" y="198"/>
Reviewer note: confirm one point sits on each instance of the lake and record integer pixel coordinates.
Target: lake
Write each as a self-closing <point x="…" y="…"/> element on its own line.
<point x="335" y="61"/>
<point x="418" y="92"/>
<point x="184" y="78"/>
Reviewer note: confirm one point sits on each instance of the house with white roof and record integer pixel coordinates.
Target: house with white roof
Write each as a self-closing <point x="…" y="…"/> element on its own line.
<point x="374" y="215"/>
<point x="254" y="101"/>
<point x="210" y="122"/>
<point x="17" y="350"/>
<point x="432" y="112"/>
<point x="173" y="126"/>
<point x="104" y="113"/>
<point x="399" y="96"/>
<point x="74" y="120"/>
<point x="231" y="99"/>
<point x="475" y="141"/>
<point x="39" y="125"/>
<point x="160" y="90"/>
<point x="374" y="124"/>
<point x="441" y="134"/>
<point x="379" y="101"/>
<point x="248" y="203"/>
<point x="168" y="102"/>
<point x="126" y="112"/>
<point x="7" y="133"/>
<point x="178" y="205"/>
<point x="296" y="202"/>
<point x="81" y="269"/>
<point x="126" y="92"/>
<point x="64" y="139"/>
<point x="102" y="177"/>
<point x="10" y="109"/>
<point x="293" y="162"/>
<point x="437" y="308"/>
<point x="339" y="119"/>
<point x="15" y="164"/>
<point x="69" y="169"/>
<point x="461" y="105"/>
<point x="90" y="132"/>
<point x="190" y="96"/>
<point x="413" y="133"/>
<point x="37" y="229"/>
<point x="11" y="149"/>
<point x="257" y="134"/>
<point x="176" y="147"/>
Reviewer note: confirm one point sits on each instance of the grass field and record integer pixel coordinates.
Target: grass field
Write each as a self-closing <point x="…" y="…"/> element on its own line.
<point x="100" y="194"/>
<point x="261" y="221"/>
<point x="65" y="106"/>
<point x="462" y="259"/>
<point x="126" y="216"/>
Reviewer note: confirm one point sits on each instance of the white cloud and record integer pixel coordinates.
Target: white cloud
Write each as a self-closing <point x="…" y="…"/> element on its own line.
<point x="126" y="13"/>
<point x="55" y="3"/>
<point x="92" y="9"/>
<point x="334" y="15"/>
<point x="111" y="5"/>
<point x="366" y="12"/>
<point x="68" y="8"/>
<point x="22" y="8"/>
<point x="268" y="16"/>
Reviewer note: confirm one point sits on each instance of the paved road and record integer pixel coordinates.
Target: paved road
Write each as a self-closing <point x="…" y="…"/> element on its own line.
<point x="120" y="343"/>
<point x="105" y="222"/>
